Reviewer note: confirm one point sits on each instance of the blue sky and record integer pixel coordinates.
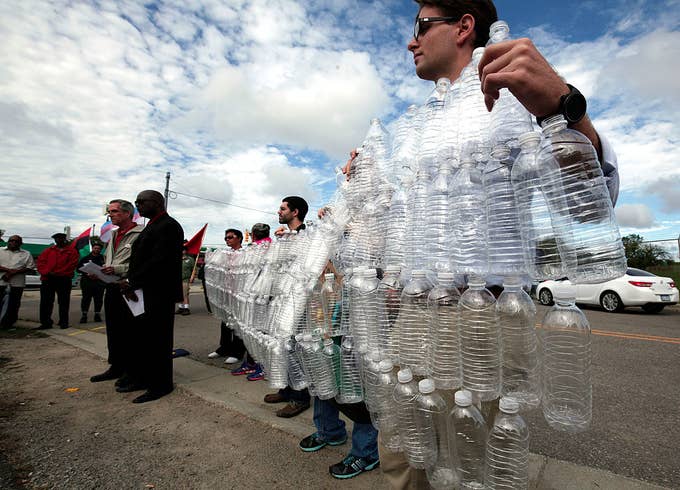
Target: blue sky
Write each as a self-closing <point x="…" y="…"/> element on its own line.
<point x="246" y="102"/>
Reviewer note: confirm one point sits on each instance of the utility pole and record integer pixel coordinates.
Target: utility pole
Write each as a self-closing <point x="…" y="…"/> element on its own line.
<point x="167" y="188"/>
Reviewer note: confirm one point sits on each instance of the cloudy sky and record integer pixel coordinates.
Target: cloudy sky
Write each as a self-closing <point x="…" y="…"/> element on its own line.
<point x="244" y="102"/>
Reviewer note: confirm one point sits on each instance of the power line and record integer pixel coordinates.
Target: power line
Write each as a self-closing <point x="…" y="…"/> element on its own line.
<point x="220" y="202"/>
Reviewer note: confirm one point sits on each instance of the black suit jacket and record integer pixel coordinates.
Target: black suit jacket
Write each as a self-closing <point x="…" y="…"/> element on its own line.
<point x="156" y="260"/>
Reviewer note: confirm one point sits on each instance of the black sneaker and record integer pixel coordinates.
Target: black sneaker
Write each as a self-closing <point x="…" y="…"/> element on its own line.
<point x="352" y="466"/>
<point x="312" y="443"/>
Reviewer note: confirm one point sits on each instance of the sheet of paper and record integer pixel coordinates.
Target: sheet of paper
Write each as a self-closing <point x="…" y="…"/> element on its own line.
<point x="136" y="307"/>
<point x="96" y="270"/>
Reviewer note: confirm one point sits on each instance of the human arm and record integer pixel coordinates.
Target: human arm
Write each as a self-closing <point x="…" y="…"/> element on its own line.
<point x="348" y="166"/>
<point x="518" y="66"/>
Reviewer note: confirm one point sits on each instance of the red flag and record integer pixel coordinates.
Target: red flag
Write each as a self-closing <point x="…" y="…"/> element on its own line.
<point x="81" y="240"/>
<point x="194" y="245"/>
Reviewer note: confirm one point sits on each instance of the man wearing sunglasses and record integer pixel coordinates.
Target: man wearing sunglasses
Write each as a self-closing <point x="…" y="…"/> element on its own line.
<point x="445" y="34"/>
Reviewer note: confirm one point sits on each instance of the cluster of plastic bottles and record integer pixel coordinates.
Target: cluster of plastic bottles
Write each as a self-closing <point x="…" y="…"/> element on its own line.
<point x="456" y="196"/>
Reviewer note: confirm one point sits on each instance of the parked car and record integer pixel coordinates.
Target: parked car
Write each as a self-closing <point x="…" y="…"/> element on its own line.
<point x="32" y="280"/>
<point x="635" y="288"/>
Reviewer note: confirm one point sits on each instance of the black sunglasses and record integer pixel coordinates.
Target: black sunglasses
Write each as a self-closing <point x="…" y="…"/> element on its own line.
<point x="422" y="24"/>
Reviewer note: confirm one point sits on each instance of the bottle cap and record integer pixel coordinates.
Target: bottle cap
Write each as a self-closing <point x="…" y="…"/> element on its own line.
<point x="508" y="405"/>
<point x="404" y="375"/>
<point x="419" y="273"/>
<point x="385" y="366"/>
<point x="446" y="276"/>
<point x="475" y="280"/>
<point x="426" y="385"/>
<point x="511" y="281"/>
<point x="463" y="398"/>
<point x="392" y="269"/>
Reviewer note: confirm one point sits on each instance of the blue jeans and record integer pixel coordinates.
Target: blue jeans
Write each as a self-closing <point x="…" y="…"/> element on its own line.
<point x="330" y="427"/>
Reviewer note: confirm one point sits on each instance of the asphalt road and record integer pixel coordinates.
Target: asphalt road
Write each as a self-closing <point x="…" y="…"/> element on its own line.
<point x="636" y="388"/>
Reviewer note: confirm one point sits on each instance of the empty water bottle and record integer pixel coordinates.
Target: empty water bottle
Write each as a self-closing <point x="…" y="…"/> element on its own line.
<point x="587" y="226"/>
<point x="516" y="317"/>
<point x="350" y="389"/>
<point x="413" y="326"/>
<point x="566" y="379"/>
<point x="431" y="421"/>
<point x="386" y="406"/>
<point x="445" y="361"/>
<point x="531" y="182"/>
<point x="405" y="395"/>
<point x="507" y="449"/>
<point x="480" y="341"/>
<point x="468" y="436"/>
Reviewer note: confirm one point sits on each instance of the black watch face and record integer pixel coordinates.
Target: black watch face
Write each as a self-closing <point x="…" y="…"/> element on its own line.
<point x="574" y="107"/>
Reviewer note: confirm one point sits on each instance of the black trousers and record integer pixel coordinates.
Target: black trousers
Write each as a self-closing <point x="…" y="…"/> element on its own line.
<point x="231" y="344"/>
<point x="92" y="290"/>
<point x="154" y="332"/>
<point x="61" y="287"/>
<point x="13" y="304"/>
<point x="119" y="333"/>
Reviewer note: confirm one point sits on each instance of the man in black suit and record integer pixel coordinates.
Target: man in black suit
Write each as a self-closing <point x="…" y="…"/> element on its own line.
<point x="156" y="269"/>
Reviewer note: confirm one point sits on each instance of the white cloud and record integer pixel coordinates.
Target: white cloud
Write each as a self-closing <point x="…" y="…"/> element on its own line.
<point x="635" y="216"/>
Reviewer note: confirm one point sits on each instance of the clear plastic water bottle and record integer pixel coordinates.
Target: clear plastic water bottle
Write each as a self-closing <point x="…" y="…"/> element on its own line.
<point x="566" y="378"/>
<point x="432" y="125"/>
<point x="405" y="142"/>
<point x="416" y="221"/>
<point x="389" y="300"/>
<point x="469" y="255"/>
<point x="506" y="256"/>
<point x="413" y="326"/>
<point x="530" y="182"/>
<point x="297" y="379"/>
<point x="331" y="304"/>
<point x="509" y="118"/>
<point x="516" y="317"/>
<point x="445" y="361"/>
<point x="331" y="350"/>
<point x="468" y="435"/>
<point x="587" y="226"/>
<point x="370" y="376"/>
<point x="480" y="341"/>
<point x="315" y="319"/>
<point x="438" y="220"/>
<point x="431" y="421"/>
<point x="350" y="389"/>
<point x="507" y="449"/>
<point x="365" y="306"/>
<point x="386" y="406"/>
<point x="476" y="127"/>
<point x="405" y="395"/>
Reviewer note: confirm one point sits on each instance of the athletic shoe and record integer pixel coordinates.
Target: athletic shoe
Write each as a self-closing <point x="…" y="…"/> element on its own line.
<point x="244" y="369"/>
<point x="257" y="375"/>
<point x="230" y="360"/>
<point x="213" y="355"/>
<point x="352" y="466"/>
<point x="313" y="443"/>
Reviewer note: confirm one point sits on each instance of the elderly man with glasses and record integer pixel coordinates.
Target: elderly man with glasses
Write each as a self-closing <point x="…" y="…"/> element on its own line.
<point x="14" y="264"/>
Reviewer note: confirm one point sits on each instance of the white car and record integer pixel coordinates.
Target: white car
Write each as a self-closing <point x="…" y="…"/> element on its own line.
<point x="635" y="288"/>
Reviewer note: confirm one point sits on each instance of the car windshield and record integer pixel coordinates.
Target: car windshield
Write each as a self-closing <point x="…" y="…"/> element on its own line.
<point x="638" y="272"/>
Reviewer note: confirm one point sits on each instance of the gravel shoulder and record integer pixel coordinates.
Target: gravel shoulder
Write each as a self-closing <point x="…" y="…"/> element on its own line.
<point x="58" y="430"/>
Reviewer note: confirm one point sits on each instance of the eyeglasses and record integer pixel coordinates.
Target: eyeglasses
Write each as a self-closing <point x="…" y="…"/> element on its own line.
<point x="229" y="237"/>
<point x="422" y="24"/>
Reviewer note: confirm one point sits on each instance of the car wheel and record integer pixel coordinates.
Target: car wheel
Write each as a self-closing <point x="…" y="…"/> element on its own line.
<point x="653" y="308"/>
<point x="611" y="302"/>
<point x="545" y="297"/>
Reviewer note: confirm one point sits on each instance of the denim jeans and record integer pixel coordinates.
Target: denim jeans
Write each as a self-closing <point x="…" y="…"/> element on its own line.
<point x="330" y="427"/>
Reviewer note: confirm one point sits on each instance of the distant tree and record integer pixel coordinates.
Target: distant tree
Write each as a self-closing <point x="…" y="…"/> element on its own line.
<point x="643" y="255"/>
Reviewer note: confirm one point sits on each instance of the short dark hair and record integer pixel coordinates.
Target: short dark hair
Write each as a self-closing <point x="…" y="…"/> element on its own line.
<point x="484" y="12"/>
<point x="260" y="231"/>
<point x="296" y="202"/>
<point x="235" y="232"/>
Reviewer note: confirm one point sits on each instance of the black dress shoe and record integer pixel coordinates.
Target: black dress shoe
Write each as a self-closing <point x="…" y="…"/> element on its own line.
<point x="107" y="375"/>
<point x="150" y="396"/>
<point x="130" y="387"/>
<point x="123" y="380"/>
<point x="44" y="327"/>
<point x="97" y="317"/>
<point x="64" y="327"/>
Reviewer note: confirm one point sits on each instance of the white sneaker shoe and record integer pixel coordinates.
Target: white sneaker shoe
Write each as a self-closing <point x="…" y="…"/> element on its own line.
<point x="213" y="355"/>
<point x="230" y="360"/>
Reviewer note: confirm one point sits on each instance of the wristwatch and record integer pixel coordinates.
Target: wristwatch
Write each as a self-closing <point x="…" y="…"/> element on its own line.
<point x="572" y="106"/>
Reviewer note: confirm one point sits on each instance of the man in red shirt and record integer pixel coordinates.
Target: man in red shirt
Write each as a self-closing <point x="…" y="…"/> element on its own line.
<point x="56" y="265"/>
